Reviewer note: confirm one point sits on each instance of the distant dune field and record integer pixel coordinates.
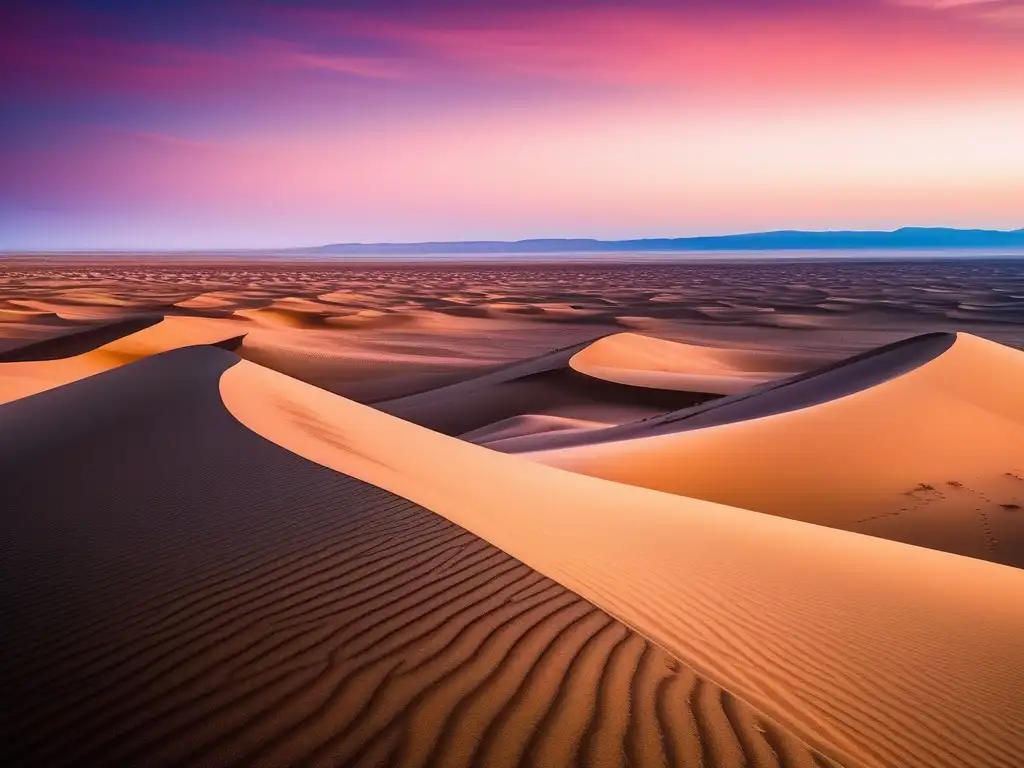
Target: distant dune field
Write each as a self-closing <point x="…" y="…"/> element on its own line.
<point x="724" y="516"/>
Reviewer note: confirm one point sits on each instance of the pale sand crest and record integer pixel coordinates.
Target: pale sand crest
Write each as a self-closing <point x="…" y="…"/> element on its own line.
<point x="575" y="383"/>
<point x="644" y="361"/>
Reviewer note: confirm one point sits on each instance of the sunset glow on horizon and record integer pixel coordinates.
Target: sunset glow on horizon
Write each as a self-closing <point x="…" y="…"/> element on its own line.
<point x="267" y="124"/>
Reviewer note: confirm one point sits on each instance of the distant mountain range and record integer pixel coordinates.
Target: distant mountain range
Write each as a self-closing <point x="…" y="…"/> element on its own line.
<point x="908" y="237"/>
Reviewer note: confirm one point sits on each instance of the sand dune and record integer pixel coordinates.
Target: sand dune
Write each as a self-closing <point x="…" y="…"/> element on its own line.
<point x="276" y="317"/>
<point x="298" y="313"/>
<point x="209" y="563"/>
<point x="814" y="387"/>
<point x="854" y="643"/>
<point x="644" y="361"/>
<point x="181" y="591"/>
<point x="79" y="341"/>
<point x="546" y="385"/>
<point x="228" y="299"/>
<point x="52" y="362"/>
<point x="366" y="366"/>
<point x="369" y="318"/>
<point x="79" y="311"/>
<point x="921" y="442"/>
<point x="30" y="317"/>
<point x="529" y="424"/>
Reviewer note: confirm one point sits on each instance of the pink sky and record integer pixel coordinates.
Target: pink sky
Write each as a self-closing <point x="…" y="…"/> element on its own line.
<point x="299" y="126"/>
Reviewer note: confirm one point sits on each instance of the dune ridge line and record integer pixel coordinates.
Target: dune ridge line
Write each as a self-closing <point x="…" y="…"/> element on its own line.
<point x="847" y="655"/>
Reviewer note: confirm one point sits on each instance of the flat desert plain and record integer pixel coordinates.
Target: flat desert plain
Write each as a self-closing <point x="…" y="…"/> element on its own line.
<point x="270" y="512"/>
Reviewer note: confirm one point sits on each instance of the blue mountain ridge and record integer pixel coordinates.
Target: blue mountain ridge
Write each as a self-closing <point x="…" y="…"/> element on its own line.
<point x="907" y="237"/>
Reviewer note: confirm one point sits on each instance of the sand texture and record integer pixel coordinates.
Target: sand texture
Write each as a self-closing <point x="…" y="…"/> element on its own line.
<point x="644" y="361"/>
<point x="49" y="363"/>
<point x="922" y="442"/>
<point x="846" y="655"/>
<point x="179" y="590"/>
<point x="275" y="513"/>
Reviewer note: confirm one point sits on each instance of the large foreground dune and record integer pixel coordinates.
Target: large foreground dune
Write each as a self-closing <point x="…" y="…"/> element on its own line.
<point x="179" y="590"/>
<point x="920" y="442"/>
<point x="854" y="643"/>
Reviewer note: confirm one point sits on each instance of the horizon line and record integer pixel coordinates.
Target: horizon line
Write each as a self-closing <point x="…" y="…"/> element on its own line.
<point x="637" y="241"/>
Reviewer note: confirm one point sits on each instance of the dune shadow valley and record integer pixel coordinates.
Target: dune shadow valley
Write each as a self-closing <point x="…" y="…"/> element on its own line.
<point x="312" y="510"/>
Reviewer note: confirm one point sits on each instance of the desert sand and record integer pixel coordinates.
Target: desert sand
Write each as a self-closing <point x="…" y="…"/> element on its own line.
<point x="645" y="361"/>
<point x="932" y="455"/>
<point x="268" y="514"/>
<point x="692" y="576"/>
<point x="50" y="363"/>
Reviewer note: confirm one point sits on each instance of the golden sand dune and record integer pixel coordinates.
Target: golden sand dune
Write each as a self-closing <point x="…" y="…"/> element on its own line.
<point x="180" y="590"/>
<point x="298" y="313"/>
<point x="275" y="317"/>
<point x="529" y="424"/>
<point x="212" y="300"/>
<point x="208" y="563"/>
<point x="814" y="387"/>
<point x="52" y="362"/>
<point x="372" y="319"/>
<point x="30" y="316"/>
<point x="644" y="361"/>
<point x="922" y="442"/>
<point x="228" y="299"/>
<point x="79" y="341"/>
<point x="85" y="310"/>
<point x="367" y="365"/>
<point x="95" y="297"/>
<point x="857" y="645"/>
<point x="546" y="385"/>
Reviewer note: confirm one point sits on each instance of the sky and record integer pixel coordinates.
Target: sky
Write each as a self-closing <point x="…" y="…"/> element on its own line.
<point x="232" y="124"/>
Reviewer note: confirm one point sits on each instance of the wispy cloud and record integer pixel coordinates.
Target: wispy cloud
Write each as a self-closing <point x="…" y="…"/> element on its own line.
<point x="828" y="50"/>
<point x="36" y="53"/>
<point x="942" y="4"/>
<point x="996" y="11"/>
<point x="1007" y="14"/>
<point x="152" y="138"/>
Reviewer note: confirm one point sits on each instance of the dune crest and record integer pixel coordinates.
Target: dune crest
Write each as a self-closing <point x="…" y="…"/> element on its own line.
<point x="927" y="455"/>
<point x="645" y="361"/>
<point x="42" y="366"/>
<point x="547" y="385"/>
<point x="859" y="640"/>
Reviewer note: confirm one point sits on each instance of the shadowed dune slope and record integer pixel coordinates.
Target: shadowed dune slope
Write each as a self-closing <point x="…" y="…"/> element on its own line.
<point x="524" y="426"/>
<point x="928" y="448"/>
<point x="874" y="652"/>
<point x="77" y="342"/>
<point x="177" y="590"/>
<point x="645" y="361"/>
<point x="546" y="385"/>
<point x="44" y="365"/>
<point x="804" y="390"/>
